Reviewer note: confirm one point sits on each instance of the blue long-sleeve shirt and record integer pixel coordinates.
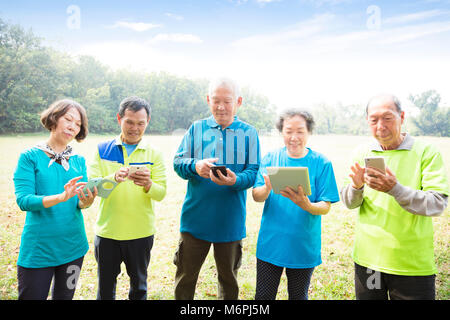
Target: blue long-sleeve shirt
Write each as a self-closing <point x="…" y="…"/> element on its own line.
<point x="211" y="212"/>
<point x="51" y="236"/>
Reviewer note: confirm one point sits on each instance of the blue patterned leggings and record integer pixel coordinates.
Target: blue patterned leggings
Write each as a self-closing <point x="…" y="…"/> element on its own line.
<point x="268" y="279"/>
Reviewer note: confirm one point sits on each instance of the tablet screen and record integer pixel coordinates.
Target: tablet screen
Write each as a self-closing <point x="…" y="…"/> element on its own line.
<point x="282" y="177"/>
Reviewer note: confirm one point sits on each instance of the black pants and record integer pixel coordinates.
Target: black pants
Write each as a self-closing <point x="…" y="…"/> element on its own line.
<point x="34" y="283"/>
<point x="374" y="285"/>
<point x="268" y="279"/>
<point x="110" y="254"/>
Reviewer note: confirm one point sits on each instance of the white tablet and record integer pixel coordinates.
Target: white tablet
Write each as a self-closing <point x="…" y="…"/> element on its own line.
<point x="282" y="177"/>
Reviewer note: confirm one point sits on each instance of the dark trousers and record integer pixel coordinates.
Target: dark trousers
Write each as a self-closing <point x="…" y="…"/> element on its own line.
<point x="189" y="259"/>
<point x="375" y="285"/>
<point x="34" y="283"/>
<point x="110" y="254"/>
<point x="268" y="279"/>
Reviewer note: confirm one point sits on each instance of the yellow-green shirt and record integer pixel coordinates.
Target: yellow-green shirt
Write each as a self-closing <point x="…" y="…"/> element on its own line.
<point x="387" y="237"/>
<point x="128" y="211"/>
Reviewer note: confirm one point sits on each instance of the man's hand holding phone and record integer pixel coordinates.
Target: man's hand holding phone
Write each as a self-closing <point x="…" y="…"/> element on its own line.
<point x="375" y="174"/>
<point x="121" y="175"/>
<point x="378" y="180"/>
<point x="203" y="167"/>
<point x="204" y="170"/>
<point x="223" y="180"/>
<point x="141" y="177"/>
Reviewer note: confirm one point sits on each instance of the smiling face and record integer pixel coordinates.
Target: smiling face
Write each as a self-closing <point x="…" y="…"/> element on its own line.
<point x="223" y="105"/>
<point x="68" y="126"/>
<point x="385" y="122"/>
<point x="295" y="135"/>
<point x="133" y="125"/>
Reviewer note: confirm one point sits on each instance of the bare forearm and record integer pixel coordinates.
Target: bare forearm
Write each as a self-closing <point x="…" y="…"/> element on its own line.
<point x="319" y="208"/>
<point x="50" y="201"/>
<point x="260" y="194"/>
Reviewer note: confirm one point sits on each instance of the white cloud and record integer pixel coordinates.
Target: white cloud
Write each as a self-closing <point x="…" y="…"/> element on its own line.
<point x="267" y="1"/>
<point x="417" y="16"/>
<point x="238" y="2"/>
<point x="323" y="34"/>
<point x="261" y="2"/>
<point x="410" y="33"/>
<point x="321" y="60"/>
<point x="176" y="37"/>
<point x="174" y="16"/>
<point x="135" y="26"/>
<point x="316" y="60"/>
<point x="290" y="36"/>
<point x="319" y="3"/>
<point x="120" y="54"/>
<point x="136" y="56"/>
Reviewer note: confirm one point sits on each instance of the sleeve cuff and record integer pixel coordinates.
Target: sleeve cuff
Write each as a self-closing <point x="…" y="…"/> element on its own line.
<point x="156" y="192"/>
<point x="397" y="190"/>
<point x="356" y="191"/>
<point x="37" y="203"/>
<point x="192" y="167"/>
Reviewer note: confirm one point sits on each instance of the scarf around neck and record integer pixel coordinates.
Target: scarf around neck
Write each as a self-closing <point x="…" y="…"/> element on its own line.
<point x="61" y="157"/>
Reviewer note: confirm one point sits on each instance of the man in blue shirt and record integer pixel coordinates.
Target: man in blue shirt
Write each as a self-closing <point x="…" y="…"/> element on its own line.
<point x="214" y="208"/>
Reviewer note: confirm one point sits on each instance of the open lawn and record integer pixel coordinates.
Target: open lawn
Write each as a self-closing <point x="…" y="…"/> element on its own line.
<point x="331" y="280"/>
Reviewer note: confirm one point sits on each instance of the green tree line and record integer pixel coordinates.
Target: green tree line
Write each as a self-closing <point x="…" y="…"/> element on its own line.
<point x="431" y="119"/>
<point x="32" y="76"/>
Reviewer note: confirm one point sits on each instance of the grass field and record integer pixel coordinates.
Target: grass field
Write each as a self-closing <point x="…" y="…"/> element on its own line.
<point x="331" y="280"/>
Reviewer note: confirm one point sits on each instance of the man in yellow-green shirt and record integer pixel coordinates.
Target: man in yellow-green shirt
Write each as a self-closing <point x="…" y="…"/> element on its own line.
<point x="125" y="223"/>
<point x="393" y="251"/>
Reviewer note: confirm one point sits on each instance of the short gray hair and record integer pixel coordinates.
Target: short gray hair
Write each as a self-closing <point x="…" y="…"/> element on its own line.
<point x="223" y="82"/>
<point x="389" y="96"/>
<point x="289" y="113"/>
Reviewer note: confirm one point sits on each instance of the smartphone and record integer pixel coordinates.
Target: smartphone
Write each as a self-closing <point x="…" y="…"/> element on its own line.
<point x="135" y="168"/>
<point x="222" y="169"/>
<point x="375" y="162"/>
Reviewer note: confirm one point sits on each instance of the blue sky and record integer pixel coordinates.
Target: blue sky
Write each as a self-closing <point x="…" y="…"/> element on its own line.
<point x="297" y="52"/>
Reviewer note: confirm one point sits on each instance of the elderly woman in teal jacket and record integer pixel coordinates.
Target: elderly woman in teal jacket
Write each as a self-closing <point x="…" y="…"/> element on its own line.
<point x="48" y="182"/>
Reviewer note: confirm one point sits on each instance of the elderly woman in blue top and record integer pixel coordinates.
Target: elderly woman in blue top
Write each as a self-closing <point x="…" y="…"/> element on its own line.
<point x="48" y="181"/>
<point x="290" y="232"/>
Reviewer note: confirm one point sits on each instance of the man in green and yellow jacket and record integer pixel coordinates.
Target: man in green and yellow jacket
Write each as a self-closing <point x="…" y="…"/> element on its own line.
<point x="125" y="223"/>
